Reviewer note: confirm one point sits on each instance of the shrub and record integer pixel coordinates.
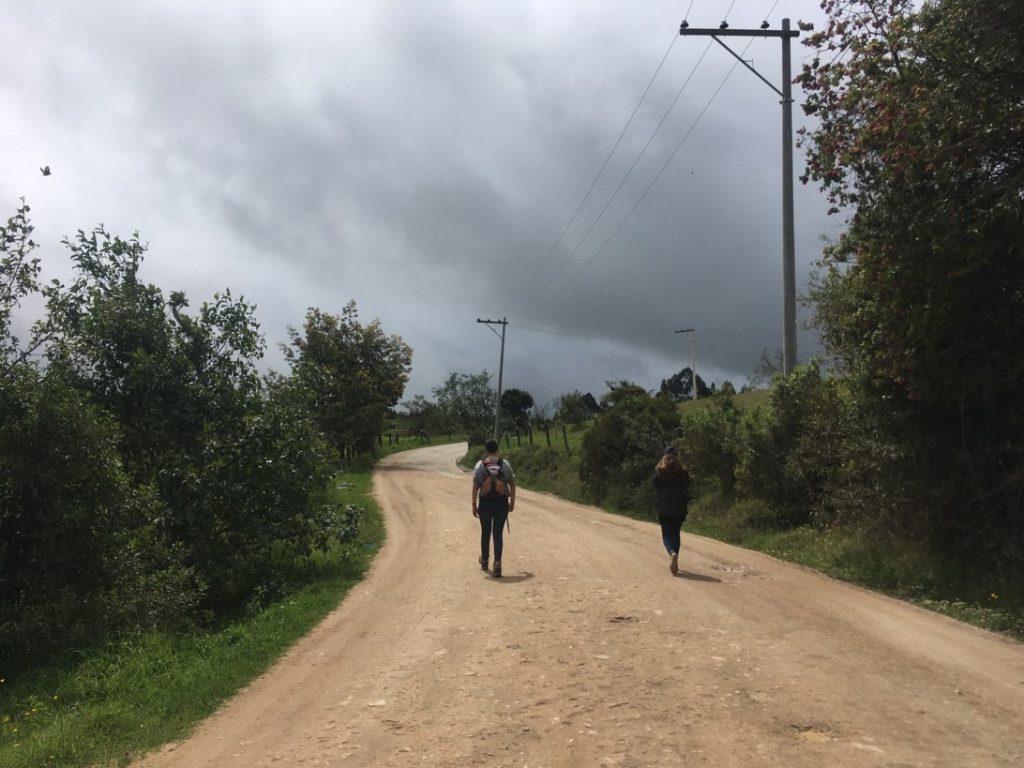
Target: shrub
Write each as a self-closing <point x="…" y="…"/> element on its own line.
<point x="791" y="447"/>
<point x="710" y="440"/>
<point x="620" y="450"/>
<point x="80" y="552"/>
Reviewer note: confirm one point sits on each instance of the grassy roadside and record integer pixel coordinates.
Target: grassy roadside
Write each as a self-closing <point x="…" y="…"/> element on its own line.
<point x="865" y="558"/>
<point x="108" y="704"/>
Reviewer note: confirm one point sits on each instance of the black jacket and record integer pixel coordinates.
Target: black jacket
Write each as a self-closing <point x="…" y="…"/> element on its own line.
<point x="672" y="494"/>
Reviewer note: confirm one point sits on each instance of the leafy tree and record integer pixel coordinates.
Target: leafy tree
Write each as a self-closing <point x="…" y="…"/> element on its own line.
<point x="788" y="453"/>
<point x="19" y="276"/>
<point x="80" y="553"/>
<point x="356" y="374"/>
<point x="710" y="441"/>
<point x="425" y="416"/>
<point x="574" y="408"/>
<point x="679" y="386"/>
<point x="619" y="451"/>
<point x="515" y="408"/>
<point x="619" y="391"/>
<point x="921" y="301"/>
<point x="166" y="377"/>
<point x="239" y="476"/>
<point x="146" y="467"/>
<point x="469" y="402"/>
<point x="817" y="457"/>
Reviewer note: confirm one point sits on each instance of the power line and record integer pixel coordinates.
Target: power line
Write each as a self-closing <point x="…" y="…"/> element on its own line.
<point x="668" y="161"/>
<point x="557" y="333"/>
<point x="622" y="183"/>
<point x="646" y="191"/>
<point x="302" y="260"/>
<point x="604" y="165"/>
<point x="729" y="10"/>
<point x="655" y="179"/>
<point x="579" y="244"/>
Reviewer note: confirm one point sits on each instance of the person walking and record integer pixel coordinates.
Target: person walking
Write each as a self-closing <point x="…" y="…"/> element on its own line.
<point x="671" y="497"/>
<point x="494" y="496"/>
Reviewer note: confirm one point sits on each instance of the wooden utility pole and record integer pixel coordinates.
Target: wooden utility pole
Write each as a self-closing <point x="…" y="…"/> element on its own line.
<point x="788" y="233"/>
<point x="501" y="369"/>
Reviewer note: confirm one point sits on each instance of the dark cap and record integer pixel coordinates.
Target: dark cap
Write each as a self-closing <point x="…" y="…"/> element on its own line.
<point x="670" y="450"/>
<point x="491" y="446"/>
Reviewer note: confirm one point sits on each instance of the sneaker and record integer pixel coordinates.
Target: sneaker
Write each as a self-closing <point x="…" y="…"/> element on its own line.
<point x="483" y="562"/>
<point x="674" y="563"/>
<point x="497" y="570"/>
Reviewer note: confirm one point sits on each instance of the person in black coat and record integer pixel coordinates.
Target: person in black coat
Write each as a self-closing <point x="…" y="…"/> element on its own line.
<point x="671" y="497"/>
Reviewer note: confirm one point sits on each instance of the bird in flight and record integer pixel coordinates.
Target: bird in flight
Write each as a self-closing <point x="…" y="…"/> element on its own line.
<point x="45" y="170"/>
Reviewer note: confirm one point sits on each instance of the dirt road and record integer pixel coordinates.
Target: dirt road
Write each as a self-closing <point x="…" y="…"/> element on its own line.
<point x="589" y="653"/>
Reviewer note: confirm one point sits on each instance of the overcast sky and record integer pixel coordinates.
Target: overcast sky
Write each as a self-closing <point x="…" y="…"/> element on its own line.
<point x="424" y="159"/>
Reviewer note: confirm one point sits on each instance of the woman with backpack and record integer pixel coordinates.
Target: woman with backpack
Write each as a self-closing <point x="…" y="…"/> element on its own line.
<point x="671" y="497"/>
<point x="494" y="496"/>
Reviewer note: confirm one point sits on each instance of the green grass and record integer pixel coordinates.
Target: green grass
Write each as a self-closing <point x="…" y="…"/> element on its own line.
<point x="104" y="704"/>
<point x="108" y="704"/>
<point x="860" y="556"/>
<point x="744" y="400"/>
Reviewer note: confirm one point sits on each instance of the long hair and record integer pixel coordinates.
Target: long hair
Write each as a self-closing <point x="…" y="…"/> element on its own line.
<point x="669" y="466"/>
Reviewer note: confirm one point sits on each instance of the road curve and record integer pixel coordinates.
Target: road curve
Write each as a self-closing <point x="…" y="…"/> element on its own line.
<point x="589" y="653"/>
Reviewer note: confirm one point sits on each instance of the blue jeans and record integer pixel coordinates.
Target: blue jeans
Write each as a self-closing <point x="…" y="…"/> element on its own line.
<point x="493" y="514"/>
<point x="670" y="529"/>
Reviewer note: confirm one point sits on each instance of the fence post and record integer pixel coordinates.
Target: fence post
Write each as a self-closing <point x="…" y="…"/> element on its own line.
<point x="547" y="434"/>
<point x="565" y="438"/>
<point x="507" y="443"/>
<point x="519" y="441"/>
<point x="380" y="440"/>
<point x="529" y="434"/>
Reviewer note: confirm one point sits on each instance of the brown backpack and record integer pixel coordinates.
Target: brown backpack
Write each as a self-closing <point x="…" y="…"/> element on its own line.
<point x="494" y="484"/>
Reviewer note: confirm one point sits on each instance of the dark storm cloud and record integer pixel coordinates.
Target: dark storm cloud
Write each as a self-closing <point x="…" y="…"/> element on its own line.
<point x="423" y="159"/>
